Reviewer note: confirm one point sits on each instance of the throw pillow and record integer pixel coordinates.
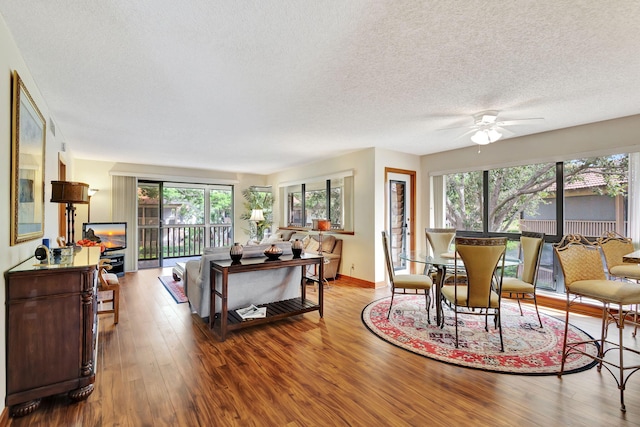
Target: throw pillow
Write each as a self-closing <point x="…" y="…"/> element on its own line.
<point x="328" y="242"/>
<point x="312" y="246"/>
<point x="276" y="237"/>
<point x="286" y="234"/>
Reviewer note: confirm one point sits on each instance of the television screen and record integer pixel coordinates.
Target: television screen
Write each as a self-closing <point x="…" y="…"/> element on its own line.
<point x="113" y="235"/>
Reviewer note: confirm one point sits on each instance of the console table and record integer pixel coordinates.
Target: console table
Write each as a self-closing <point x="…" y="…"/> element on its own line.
<point x="228" y="320"/>
<point x="52" y="330"/>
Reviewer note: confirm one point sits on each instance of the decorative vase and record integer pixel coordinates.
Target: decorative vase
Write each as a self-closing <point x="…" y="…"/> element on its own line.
<point x="273" y="252"/>
<point x="236" y="252"/>
<point x="296" y="248"/>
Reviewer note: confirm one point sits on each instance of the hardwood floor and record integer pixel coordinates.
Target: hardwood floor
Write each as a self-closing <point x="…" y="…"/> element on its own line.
<point x="160" y="366"/>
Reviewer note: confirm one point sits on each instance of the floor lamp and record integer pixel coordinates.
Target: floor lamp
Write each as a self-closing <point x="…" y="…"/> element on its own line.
<point x="70" y="193"/>
<point x="321" y="225"/>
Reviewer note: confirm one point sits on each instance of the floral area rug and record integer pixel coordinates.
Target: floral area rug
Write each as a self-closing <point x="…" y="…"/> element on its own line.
<point x="528" y="349"/>
<point x="175" y="289"/>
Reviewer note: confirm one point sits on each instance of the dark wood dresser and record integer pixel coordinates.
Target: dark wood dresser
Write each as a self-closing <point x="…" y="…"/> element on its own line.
<point x="52" y="330"/>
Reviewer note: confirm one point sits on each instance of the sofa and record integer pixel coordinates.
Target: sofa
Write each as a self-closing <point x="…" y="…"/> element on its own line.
<point x="257" y="287"/>
<point x="331" y="247"/>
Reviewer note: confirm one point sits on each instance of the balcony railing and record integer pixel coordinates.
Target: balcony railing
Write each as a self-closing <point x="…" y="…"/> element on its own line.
<point x="181" y="240"/>
<point x="586" y="228"/>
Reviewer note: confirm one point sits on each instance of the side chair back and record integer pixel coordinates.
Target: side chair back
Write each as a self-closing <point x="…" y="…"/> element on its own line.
<point x="387" y="257"/>
<point x="614" y="246"/>
<point x="480" y="258"/>
<point x="579" y="259"/>
<point x="440" y="239"/>
<point x="524" y="288"/>
<point x="531" y="244"/>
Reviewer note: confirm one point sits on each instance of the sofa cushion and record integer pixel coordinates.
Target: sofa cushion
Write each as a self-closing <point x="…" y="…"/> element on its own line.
<point x="328" y="242"/>
<point x="299" y="236"/>
<point x="286" y="234"/>
<point x="276" y="237"/>
<point x="311" y="245"/>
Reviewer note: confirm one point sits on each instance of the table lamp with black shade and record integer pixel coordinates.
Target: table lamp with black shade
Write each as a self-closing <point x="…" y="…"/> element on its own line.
<point x="70" y="193"/>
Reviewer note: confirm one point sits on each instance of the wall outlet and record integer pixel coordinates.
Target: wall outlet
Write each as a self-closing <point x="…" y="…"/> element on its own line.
<point x="353" y="266"/>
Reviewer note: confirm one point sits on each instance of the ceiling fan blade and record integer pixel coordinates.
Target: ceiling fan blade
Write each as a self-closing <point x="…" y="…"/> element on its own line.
<point x="465" y="134"/>
<point x="469" y="126"/>
<point x="518" y="121"/>
<point x="505" y="132"/>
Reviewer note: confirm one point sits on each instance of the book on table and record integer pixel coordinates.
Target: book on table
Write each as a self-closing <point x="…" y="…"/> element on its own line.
<point x="252" y="312"/>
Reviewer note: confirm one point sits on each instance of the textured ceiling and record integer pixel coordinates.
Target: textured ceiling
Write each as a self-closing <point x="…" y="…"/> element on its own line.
<point x="260" y="86"/>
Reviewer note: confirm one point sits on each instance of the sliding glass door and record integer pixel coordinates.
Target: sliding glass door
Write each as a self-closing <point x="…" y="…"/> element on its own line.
<point x="177" y="220"/>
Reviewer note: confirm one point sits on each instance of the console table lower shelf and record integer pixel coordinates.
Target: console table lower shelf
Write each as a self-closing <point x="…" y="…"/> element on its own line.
<point x="275" y="311"/>
<point x="227" y="320"/>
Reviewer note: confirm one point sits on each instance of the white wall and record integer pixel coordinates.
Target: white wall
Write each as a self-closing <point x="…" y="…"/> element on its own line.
<point x="363" y="249"/>
<point x="357" y="249"/>
<point x="11" y="60"/>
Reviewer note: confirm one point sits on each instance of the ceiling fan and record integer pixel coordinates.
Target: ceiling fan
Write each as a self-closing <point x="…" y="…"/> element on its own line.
<point x="486" y="127"/>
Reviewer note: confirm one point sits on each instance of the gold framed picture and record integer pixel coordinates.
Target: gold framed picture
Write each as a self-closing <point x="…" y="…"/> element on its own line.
<point x="28" y="137"/>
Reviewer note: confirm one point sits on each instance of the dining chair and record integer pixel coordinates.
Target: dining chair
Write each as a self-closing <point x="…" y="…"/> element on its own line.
<point x="615" y="246"/>
<point x="439" y="239"/>
<point x="524" y="287"/>
<point x="108" y="290"/>
<point x="584" y="277"/>
<point x="439" y="242"/>
<point x="401" y="283"/>
<point x="480" y="295"/>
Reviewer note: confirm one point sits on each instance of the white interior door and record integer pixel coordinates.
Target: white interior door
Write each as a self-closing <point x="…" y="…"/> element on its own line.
<point x="399" y="218"/>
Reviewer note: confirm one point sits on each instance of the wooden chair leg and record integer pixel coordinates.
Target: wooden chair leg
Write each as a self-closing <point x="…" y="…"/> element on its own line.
<point x="116" y="305"/>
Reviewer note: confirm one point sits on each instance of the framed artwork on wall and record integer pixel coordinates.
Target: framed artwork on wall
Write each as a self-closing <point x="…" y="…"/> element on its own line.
<point x="28" y="134"/>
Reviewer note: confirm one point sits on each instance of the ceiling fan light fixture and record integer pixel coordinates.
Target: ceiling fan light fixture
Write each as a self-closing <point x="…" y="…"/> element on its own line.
<point x="494" y="135"/>
<point x="480" y="138"/>
<point x="486" y="136"/>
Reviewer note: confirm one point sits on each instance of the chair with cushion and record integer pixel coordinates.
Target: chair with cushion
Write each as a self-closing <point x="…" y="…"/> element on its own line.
<point x="400" y="283"/>
<point x="614" y="246"/>
<point x="440" y="239"/>
<point x="584" y="277"/>
<point x="439" y="242"/>
<point x="480" y="295"/>
<point x="524" y="288"/>
<point x="108" y="291"/>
